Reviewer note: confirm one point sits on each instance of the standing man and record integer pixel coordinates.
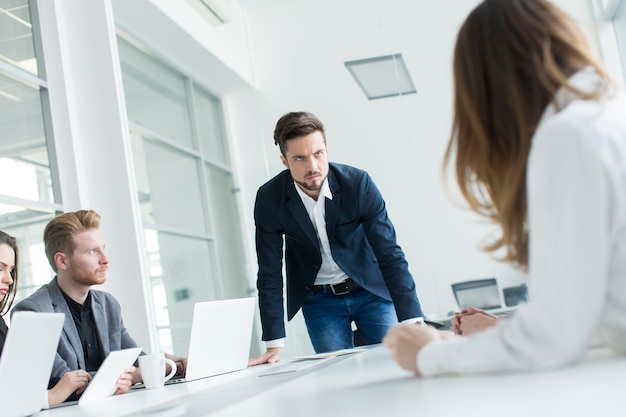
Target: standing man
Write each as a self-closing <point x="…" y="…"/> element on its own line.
<point x="342" y="260"/>
<point x="93" y="319"/>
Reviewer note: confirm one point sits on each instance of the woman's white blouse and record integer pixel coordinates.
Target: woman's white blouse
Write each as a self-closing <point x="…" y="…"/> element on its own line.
<point x="576" y="184"/>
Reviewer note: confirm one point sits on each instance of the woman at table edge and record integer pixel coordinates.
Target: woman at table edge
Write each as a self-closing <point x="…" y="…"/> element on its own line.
<point x="539" y="146"/>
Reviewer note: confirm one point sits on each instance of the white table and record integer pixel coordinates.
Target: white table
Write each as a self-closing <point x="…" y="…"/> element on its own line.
<point x="370" y="384"/>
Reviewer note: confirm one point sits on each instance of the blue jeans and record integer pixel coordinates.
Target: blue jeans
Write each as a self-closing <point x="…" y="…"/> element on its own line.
<point x="328" y="318"/>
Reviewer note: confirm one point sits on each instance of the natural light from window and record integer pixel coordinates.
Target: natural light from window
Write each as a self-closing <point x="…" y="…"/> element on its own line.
<point x="23" y="183"/>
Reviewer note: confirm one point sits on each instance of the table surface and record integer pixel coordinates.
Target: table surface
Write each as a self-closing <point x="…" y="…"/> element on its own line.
<point x="369" y="383"/>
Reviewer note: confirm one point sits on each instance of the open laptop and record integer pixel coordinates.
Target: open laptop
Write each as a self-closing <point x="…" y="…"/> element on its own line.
<point x="221" y="332"/>
<point x="480" y="293"/>
<point x="27" y="360"/>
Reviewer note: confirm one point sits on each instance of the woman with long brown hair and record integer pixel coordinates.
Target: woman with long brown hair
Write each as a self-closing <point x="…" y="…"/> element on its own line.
<point x="539" y="147"/>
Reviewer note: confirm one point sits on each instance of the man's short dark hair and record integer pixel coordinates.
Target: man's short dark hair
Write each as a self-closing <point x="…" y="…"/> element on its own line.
<point x="294" y="125"/>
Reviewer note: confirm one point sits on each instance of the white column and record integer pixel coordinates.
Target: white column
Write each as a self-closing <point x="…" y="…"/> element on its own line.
<point x="93" y="146"/>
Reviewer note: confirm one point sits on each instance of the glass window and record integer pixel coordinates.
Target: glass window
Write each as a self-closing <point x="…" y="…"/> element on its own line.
<point x="222" y="195"/>
<point x="170" y="192"/>
<point x="23" y="151"/>
<point x="27" y="200"/>
<point x="186" y="194"/>
<point x="27" y="227"/>
<point x="182" y="272"/>
<point x="210" y="128"/>
<point x="16" y="35"/>
<point x="156" y="98"/>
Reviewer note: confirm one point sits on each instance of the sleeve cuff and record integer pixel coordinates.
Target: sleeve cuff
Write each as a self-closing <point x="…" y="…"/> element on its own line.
<point x="275" y="343"/>
<point x="413" y="320"/>
<point x="424" y="364"/>
<point x="439" y="357"/>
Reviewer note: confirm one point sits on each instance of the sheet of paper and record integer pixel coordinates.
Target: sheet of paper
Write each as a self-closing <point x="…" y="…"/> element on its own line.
<point x="292" y="366"/>
<point x="303" y="362"/>
<point x="332" y="354"/>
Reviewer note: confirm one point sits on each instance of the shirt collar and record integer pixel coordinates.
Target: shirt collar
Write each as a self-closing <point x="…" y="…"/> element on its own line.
<point x="73" y="305"/>
<point x="586" y="80"/>
<point x="324" y="191"/>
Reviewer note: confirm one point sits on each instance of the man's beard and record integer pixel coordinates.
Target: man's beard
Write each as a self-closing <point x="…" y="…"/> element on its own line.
<point x="313" y="186"/>
<point x="87" y="277"/>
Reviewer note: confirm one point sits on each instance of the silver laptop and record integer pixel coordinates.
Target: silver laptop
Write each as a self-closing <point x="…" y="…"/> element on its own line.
<point x="26" y="361"/>
<point x="221" y="332"/>
<point x="479" y="293"/>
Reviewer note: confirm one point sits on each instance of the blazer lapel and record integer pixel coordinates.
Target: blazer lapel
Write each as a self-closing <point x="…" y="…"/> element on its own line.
<point x="332" y="206"/>
<point x="296" y="207"/>
<point x="100" y="321"/>
<point x="69" y="327"/>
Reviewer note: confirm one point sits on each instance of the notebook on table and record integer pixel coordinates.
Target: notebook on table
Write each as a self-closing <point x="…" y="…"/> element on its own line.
<point x="26" y="361"/>
<point x="304" y="362"/>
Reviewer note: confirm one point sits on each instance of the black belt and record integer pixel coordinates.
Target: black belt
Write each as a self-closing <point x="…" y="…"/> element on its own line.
<point x="342" y="288"/>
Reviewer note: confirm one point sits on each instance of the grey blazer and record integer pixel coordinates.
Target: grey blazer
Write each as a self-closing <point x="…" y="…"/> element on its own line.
<point x="107" y="316"/>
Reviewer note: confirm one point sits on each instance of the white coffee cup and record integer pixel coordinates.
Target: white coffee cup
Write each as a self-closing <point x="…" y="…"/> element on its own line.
<point x="152" y="367"/>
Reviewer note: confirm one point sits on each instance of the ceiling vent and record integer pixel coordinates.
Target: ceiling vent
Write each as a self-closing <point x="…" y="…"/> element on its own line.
<point x="383" y="76"/>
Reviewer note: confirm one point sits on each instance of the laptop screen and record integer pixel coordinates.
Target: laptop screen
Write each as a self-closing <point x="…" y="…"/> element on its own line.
<point x="483" y="294"/>
<point x="221" y="332"/>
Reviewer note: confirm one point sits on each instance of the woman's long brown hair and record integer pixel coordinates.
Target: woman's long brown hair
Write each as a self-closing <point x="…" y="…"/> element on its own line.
<point x="511" y="57"/>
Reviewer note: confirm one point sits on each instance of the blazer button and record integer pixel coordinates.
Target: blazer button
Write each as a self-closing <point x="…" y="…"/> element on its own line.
<point x="308" y="288"/>
<point x="316" y="266"/>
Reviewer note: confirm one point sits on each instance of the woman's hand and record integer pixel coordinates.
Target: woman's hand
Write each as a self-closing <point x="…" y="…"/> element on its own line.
<point x="472" y="320"/>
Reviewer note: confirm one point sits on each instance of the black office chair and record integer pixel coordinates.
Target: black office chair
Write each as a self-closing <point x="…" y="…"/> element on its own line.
<point x="479" y="293"/>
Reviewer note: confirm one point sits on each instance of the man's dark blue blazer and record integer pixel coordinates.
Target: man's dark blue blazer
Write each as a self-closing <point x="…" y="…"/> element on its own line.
<point x="362" y="241"/>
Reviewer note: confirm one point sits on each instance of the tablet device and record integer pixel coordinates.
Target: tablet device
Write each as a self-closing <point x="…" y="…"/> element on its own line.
<point x="104" y="381"/>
